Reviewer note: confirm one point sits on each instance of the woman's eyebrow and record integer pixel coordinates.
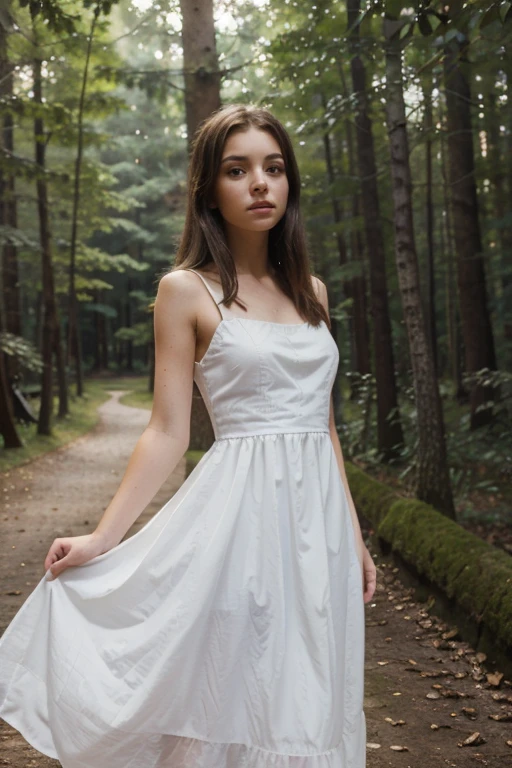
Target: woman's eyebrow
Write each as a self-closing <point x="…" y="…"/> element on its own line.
<point x="242" y="158"/>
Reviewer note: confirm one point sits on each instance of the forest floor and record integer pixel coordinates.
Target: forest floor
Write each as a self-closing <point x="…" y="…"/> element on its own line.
<point x="426" y="691"/>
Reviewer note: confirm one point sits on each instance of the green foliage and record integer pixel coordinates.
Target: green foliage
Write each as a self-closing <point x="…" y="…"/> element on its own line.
<point x="22" y="351"/>
<point x="295" y="58"/>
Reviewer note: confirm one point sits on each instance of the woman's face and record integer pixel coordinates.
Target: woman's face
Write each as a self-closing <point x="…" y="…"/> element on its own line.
<point x="251" y="172"/>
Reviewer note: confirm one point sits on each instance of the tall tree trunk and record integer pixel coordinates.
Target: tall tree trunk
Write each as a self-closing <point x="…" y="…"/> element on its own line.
<point x="429" y="221"/>
<point x="337" y="213"/>
<point x="7" y="423"/>
<point x="433" y="480"/>
<point x="356" y="287"/>
<point x="452" y="313"/>
<point x="11" y="306"/>
<point x="202" y="97"/>
<point x="49" y="302"/>
<point x="202" y="80"/>
<point x="390" y="436"/>
<point x="74" y="340"/>
<point x="501" y="204"/>
<point x="506" y="257"/>
<point x="360" y="308"/>
<point x="60" y="365"/>
<point x="475" y="317"/>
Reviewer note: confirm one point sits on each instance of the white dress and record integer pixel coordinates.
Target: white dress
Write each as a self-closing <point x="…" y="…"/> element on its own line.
<point x="229" y="631"/>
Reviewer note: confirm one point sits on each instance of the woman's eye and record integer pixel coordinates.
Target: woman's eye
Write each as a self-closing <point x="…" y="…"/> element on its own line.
<point x="276" y="168"/>
<point x="234" y="171"/>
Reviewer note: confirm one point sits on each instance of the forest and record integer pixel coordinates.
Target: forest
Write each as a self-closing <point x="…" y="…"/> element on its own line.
<point x="401" y="118"/>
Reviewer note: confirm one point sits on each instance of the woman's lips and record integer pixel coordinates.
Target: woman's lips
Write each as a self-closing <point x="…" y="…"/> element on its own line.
<point x="262" y="209"/>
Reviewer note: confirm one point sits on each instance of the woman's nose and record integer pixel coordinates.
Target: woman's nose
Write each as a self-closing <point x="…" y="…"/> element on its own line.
<point x="259" y="184"/>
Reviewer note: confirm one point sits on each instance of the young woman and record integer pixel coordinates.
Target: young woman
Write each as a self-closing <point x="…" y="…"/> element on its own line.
<point x="229" y="631"/>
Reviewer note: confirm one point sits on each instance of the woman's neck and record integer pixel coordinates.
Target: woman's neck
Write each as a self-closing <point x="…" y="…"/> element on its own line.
<point x="250" y="251"/>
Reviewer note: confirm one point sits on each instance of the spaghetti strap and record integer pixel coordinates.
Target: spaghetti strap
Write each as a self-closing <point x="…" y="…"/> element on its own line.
<point x="216" y="294"/>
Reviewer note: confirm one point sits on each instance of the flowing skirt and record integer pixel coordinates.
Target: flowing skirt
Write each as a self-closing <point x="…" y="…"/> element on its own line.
<point x="226" y="633"/>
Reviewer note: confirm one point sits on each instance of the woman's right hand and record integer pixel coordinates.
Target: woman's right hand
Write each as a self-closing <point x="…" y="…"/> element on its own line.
<point x="71" y="551"/>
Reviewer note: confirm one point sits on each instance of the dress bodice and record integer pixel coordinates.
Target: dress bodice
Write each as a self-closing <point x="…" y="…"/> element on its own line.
<point x="260" y="377"/>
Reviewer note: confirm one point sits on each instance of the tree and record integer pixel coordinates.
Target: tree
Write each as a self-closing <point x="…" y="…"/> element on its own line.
<point x="433" y="480"/>
<point x="8" y="217"/>
<point x="74" y="342"/>
<point x="476" y="322"/>
<point x="390" y="435"/>
<point x="200" y="64"/>
<point x="51" y="326"/>
<point x="202" y="97"/>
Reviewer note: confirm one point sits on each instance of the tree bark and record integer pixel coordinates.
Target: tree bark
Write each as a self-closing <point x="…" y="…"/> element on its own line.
<point x="501" y="205"/>
<point x="433" y="480"/>
<point x="74" y="341"/>
<point x="202" y="80"/>
<point x="49" y="302"/>
<point x="452" y="312"/>
<point x="202" y="97"/>
<point x="429" y="222"/>
<point x="11" y="305"/>
<point x="7" y="422"/>
<point x="476" y="322"/>
<point x="355" y="288"/>
<point x="360" y="306"/>
<point x="389" y="428"/>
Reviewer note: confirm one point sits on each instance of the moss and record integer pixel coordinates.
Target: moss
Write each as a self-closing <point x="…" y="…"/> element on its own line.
<point x="468" y="570"/>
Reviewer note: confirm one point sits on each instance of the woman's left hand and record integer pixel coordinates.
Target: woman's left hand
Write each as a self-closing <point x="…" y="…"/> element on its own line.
<point x="369" y="576"/>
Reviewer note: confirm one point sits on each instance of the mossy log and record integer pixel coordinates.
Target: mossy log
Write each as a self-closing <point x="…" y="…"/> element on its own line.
<point x="475" y="576"/>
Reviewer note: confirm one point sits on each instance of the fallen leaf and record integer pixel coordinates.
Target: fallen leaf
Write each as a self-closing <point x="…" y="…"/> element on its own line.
<point x="472" y="741"/>
<point x="433" y="695"/>
<point x="399" y="748"/>
<point x="494" y="678"/>
<point x="372" y="745"/>
<point x="501" y="697"/>
<point x="506" y="717"/>
<point x="394" y="722"/>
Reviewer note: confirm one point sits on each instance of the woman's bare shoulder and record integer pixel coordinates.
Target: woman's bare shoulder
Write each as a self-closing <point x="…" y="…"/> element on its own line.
<point x="180" y="291"/>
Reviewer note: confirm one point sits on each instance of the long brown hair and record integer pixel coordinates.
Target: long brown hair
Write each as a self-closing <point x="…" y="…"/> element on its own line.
<point x="203" y="240"/>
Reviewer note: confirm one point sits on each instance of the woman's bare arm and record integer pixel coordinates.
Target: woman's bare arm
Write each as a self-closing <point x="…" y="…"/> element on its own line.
<point x="164" y="440"/>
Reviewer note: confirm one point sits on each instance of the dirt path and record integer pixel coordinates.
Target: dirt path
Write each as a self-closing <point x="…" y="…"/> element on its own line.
<point x="65" y="492"/>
